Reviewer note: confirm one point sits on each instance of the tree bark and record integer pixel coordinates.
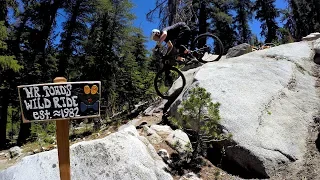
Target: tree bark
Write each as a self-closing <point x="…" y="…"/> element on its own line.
<point x="3" y="119"/>
<point x="172" y="11"/>
<point x="24" y="133"/>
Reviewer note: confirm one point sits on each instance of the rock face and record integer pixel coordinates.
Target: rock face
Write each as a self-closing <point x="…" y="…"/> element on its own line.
<point x="311" y="37"/>
<point x="190" y="176"/>
<point x="122" y="155"/>
<point x="316" y="46"/>
<point x="268" y="100"/>
<point x="239" y="50"/>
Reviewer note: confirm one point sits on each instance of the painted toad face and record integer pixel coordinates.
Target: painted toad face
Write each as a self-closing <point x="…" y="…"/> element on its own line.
<point x="94" y="89"/>
<point x="86" y="89"/>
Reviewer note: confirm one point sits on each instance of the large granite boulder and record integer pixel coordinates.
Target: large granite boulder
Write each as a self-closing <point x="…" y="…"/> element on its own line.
<point x="123" y="155"/>
<point x="268" y="101"/>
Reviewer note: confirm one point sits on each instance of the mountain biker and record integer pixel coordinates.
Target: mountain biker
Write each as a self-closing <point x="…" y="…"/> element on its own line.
<point x="178" y="33"/>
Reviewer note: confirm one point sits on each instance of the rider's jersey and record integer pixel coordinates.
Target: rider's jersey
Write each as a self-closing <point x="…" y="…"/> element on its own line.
<point x="174" y="31"/>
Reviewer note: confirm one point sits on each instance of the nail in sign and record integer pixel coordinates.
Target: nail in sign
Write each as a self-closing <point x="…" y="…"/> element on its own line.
<point x="57" y="101"/>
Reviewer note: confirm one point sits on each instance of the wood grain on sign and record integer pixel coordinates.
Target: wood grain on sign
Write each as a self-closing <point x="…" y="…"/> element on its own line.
<point x="59" y="101"/>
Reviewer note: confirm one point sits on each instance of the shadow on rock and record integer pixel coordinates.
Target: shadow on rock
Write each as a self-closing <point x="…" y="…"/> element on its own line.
<point x="318" y="142"/>
<point x="317" y="59"/>
<point x="216" y="156"/>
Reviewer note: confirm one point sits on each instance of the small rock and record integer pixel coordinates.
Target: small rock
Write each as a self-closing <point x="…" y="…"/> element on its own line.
<point x="141" y="125"/>
<point x="152" y="136"/>
<point x="190" y="176"/>
<point x="317" y="34"/>
<point x="239" y="50"/>
<point x="310" y="37"/>
<point x="162" y="130"/>
<point x="149" y="111"/>
<point x="316" y="46"/>
<point x="164" y="155"/>
<point x="15" y="151"/>
<point x="179" y="141"/>
<point x="147" y="130"/>
<point x="36" y="151"/>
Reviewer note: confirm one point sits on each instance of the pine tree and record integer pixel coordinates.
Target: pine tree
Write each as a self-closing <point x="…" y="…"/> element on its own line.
<point x="244" y="14"/>
<point x="267" y="14"/>
<point x="108" y="33"/>
<point x="289" y="24"/>
<point x="221" y="22"/>
<point x="201" y="115"/>
<point x="306" y="17"/>
<point x="8" y="65"/>
<point x="75" y="31"/>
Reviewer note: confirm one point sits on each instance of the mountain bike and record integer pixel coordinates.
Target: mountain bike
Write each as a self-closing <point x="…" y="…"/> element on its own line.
<point x="203" y="49"/>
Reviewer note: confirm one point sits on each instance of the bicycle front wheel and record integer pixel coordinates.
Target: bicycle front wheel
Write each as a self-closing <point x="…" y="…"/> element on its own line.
<point x="207" y="48"/>
<point x="165" y="79"/>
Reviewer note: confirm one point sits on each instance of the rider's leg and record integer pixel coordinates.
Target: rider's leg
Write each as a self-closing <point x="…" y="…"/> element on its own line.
<point x="183" y="39"/>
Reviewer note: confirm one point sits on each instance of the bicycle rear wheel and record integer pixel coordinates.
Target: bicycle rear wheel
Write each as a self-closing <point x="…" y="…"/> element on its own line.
<point x="165" y="79"/>
<point x="207" y="47"/>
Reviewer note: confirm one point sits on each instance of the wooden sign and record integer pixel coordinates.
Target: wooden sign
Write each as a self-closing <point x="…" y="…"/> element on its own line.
<point x="59" y="101"/>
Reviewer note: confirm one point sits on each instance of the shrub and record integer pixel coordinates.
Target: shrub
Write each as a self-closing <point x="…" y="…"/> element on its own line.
<point x="200" y="115"/>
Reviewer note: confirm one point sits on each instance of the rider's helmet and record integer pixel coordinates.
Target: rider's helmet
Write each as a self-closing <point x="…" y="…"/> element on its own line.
<point x="153" y="33"/>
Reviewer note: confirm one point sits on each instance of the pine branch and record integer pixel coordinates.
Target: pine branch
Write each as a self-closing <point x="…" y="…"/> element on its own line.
<point x="150" y="13"/>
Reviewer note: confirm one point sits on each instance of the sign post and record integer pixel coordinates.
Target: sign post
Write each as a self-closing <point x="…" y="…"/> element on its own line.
<point x="60" y="101"/>
<point x="62" y="136"/>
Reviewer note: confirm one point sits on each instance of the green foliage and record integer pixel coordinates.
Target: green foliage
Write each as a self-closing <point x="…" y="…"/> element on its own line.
<point x="284" y="36"/>
<point x="6" y="62"/>
<point x="201" y="115"/>
<point x="43" y="132"/>
<point x="222" y="22"/>
<point x="302" y="18"/>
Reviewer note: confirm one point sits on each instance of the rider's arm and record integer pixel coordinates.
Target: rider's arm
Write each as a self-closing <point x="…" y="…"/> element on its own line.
<point x="170" y="47"/>
<point x="162" y="37"/>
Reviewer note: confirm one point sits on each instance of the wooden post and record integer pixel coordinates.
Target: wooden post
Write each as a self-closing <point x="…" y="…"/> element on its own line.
<point x="62" y="135"/>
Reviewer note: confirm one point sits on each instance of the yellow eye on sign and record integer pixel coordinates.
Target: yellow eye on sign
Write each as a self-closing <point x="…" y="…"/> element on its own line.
<point x="86" y="89"/>
<point x="94" y="89"/>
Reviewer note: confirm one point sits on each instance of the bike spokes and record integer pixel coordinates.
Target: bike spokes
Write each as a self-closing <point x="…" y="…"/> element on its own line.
<point x="167" y="78"/>
<point x="207" y="48"/>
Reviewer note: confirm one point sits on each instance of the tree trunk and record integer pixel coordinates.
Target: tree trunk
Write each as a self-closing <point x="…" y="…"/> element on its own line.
<point x="171" y="12"/>
<point x="3" y="119"/>
<point x="45" y="34"/>
<point x="24" y="133"/>
<point x="67" y="50"/>
<point x="202" y="23"/>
